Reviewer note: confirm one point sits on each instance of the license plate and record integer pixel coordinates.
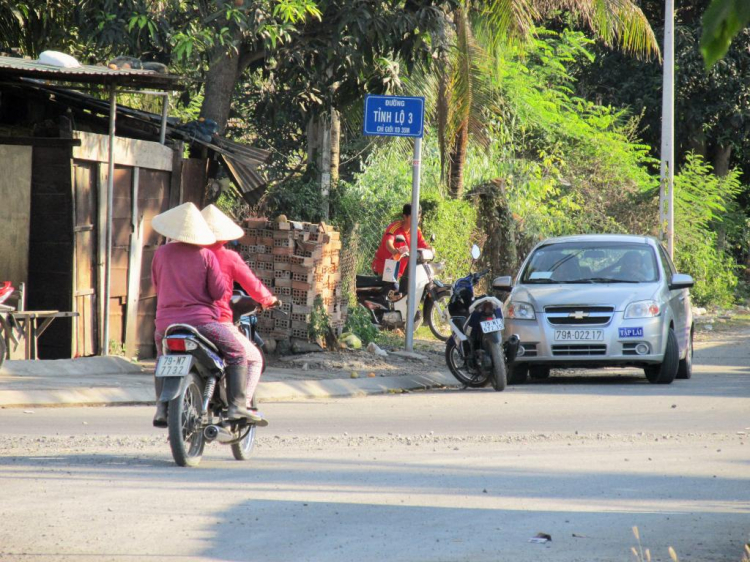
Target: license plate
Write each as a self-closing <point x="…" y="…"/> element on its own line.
<point x="173" y="365"/>
<point x="579" y="335"/>
<point x="631" y="332"/>
<point x="495" y="325"/>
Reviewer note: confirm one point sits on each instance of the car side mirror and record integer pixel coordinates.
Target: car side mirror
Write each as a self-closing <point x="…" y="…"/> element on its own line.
<point x="681" y="281"/>
<point x="504" y="283"/>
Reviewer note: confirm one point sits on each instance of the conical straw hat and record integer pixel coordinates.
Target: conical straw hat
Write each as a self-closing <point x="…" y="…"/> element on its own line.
<point x="184" y="224"/>
<point x="221" y="225"/>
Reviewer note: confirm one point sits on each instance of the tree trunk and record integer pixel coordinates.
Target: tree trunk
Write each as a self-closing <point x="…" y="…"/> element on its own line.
<point x="221" y="78"/>
<point x="335" y="147"/>
<point x="443" y="108"/>
<point x="460" y="142"/>
<point x="457" y="161"/>
<point x="722" y="155"/>
<point x="323" y="153"/>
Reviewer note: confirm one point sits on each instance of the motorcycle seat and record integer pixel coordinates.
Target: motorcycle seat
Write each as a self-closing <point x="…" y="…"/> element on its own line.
<point x="367" y="281"/>
<point x="187" y="329"/>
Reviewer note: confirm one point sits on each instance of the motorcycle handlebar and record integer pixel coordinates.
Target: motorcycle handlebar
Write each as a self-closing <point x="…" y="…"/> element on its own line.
<point x="478" y="276"/>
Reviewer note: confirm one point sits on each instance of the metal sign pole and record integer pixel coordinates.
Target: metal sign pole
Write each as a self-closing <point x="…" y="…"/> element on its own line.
<point x="412" y="302"/>
<point x="666" y="190"/>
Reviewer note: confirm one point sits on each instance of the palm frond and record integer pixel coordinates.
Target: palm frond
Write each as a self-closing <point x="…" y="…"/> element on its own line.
<point x="616" y="22"/>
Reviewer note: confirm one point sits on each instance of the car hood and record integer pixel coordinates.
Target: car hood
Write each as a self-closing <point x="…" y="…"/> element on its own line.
<point x="618" y="295"/>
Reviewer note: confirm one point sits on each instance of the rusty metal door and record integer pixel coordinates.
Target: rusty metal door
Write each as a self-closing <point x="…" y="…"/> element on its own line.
<point x="86" y="337"/>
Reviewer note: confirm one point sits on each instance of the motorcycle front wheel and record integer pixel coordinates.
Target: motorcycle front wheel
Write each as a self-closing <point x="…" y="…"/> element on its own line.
<point x="499" y="377"/>
<point x="242" y="450"/>
<point x="184" y="422"/>
<point x="438" y="319"/>
<point x="460" y="370"/>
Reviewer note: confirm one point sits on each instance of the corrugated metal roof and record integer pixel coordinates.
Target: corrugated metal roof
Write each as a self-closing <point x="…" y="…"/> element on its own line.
<point x="86" y="74"/>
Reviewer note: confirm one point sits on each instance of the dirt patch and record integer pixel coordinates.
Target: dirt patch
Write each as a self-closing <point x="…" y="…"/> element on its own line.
<point x="429" y="356"/>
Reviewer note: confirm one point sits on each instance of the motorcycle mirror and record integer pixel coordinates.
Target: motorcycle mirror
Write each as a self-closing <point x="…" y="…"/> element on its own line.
<point x="433" y="237"/>
<point x="475" y="252"/>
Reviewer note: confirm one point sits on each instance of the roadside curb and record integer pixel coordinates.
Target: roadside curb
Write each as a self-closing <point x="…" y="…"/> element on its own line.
<point x="71" y="367"/>
<point x="138" y="390"/>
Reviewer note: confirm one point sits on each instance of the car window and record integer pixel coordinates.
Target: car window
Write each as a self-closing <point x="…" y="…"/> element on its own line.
<point x="667" y="261"/>
<point x="592" y="262"/>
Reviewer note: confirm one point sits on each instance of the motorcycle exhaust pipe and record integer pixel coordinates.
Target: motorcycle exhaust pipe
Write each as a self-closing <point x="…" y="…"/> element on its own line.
<point x="218" y="433"/>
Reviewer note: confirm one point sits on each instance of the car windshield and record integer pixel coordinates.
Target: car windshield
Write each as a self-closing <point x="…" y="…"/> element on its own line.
<point x="591" y="262"/>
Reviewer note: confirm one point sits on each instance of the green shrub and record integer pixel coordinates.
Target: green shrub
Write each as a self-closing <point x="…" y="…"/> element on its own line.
<point x="359" y="323"/>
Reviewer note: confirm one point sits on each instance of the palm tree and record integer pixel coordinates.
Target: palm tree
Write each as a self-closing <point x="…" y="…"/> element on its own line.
<point x="461" y="97"/>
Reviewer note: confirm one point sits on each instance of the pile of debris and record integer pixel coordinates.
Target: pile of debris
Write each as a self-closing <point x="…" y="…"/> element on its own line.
<point x="300" y="262"/>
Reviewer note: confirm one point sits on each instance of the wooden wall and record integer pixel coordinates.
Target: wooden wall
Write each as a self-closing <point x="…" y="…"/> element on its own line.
<point x="15" y="205"/>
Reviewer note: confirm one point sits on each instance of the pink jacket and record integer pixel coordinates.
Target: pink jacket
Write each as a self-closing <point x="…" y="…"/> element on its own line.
<point x="188" y="282"/>
<point x="234" y="269"/>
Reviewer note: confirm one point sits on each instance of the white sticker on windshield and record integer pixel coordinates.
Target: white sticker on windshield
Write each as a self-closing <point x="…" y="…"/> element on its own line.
<point x="540" y="275"/>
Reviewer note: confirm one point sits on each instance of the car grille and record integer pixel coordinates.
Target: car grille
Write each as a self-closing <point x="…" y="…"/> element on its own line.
<point x="529" y="349"/>
<point x="579" y="350"/>
<point x="579" y="315"/>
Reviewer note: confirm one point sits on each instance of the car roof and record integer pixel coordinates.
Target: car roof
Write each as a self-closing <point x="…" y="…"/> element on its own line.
<point x="632" y="238"/>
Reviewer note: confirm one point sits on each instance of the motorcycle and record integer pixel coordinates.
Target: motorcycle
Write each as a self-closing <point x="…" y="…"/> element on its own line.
<point x="194" y="386"/>
<point x="475" y="353"/>
<point x="388" y="307"/>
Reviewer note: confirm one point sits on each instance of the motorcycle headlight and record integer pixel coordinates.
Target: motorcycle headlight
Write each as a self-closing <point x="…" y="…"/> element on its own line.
<point x="642" y="309"/>
<point x="521" y="311"/>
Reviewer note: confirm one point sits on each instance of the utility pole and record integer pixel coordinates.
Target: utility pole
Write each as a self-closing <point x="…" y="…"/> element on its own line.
<point x="666" y="189"/>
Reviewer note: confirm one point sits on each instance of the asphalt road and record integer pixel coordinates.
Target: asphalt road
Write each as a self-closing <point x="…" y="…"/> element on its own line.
<point x="431" y="476"/>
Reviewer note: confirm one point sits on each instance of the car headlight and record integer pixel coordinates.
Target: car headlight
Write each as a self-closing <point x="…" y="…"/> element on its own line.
<point x="642" y="309"/>
<point x="521" y="311"/>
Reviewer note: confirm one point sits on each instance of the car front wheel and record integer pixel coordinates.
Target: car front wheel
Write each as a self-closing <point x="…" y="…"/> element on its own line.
<point x="666" y="372"/>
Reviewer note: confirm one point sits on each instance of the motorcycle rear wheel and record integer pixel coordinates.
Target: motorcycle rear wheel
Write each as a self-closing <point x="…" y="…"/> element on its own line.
<point x="184" y="422"/>
<point x="242" y="450"/>
<point x="458" y="368"/>
<point x="433" y="312"/>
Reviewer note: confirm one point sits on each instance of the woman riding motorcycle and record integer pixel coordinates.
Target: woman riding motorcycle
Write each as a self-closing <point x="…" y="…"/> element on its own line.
<point x="236" y="270"/>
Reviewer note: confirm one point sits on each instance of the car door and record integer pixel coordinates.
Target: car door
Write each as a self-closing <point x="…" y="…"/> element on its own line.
<point x="678" y="302"/>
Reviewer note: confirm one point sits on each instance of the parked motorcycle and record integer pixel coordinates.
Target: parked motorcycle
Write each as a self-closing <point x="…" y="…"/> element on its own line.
<point x="475" y="352"/>
<point x="388" y="306"/>
<point x="193" y="373"/>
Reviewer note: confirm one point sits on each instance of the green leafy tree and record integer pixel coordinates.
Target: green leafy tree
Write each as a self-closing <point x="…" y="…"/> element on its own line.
<point x="724" y="19"/>
<point x="616" y="22"/>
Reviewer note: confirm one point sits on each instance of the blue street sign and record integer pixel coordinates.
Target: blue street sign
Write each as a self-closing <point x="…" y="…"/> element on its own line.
<point x="394" y="116"/>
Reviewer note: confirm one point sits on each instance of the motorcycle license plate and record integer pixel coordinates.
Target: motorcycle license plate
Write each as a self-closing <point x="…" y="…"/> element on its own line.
<point x="579" y="335"/>
<point x="173" y="365"/>
<point x="495" y="325"/>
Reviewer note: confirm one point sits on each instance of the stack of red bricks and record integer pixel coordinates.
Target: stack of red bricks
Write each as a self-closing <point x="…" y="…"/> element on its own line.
<point x="299" y="262"/>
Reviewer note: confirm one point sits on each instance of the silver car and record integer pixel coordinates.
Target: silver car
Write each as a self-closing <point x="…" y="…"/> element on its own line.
<point x="601" y="301"/>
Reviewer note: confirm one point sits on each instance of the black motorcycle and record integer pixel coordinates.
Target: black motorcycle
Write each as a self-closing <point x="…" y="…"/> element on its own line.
<point x="194" y="386"/>
<point x="475" y="353"/>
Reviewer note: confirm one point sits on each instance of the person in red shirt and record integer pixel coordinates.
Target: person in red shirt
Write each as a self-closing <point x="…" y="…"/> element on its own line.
<point x="390" y="249"/>
<point x="235" y="270"/>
